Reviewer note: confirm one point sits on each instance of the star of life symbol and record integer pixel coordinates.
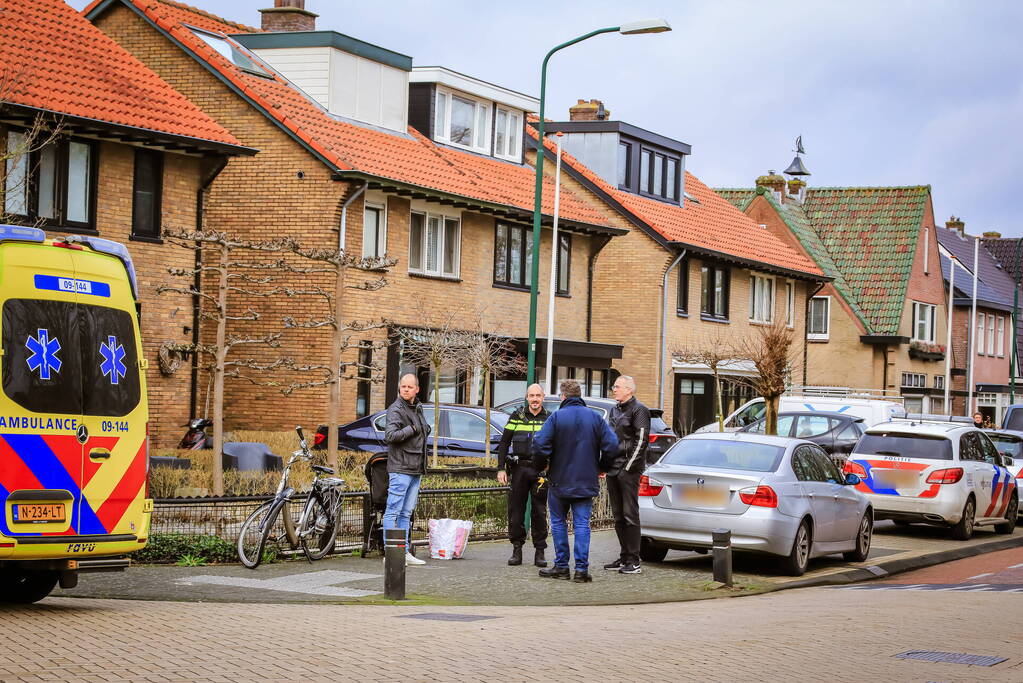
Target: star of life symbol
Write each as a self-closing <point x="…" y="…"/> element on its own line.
<point x="44" y="353"/>
<point x="113" y="359"/>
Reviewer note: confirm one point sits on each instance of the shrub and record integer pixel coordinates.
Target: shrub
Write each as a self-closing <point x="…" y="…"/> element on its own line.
<point x="186" y="549"/>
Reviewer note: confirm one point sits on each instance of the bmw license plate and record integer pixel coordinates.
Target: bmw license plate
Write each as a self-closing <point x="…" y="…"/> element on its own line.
<point x="35" y="513"/>
<point x="705" y="496"/>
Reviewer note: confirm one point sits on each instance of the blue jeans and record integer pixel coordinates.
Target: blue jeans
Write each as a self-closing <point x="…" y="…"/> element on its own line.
<point x="402" y="494"/>
<point x="558" y="508"/>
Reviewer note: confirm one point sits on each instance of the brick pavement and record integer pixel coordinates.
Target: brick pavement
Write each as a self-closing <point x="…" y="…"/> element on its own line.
<point x="801" y="635"/>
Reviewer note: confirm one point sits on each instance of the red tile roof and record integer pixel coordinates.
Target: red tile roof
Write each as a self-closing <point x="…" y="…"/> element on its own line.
<point x="55" y="60"/>
<point x="409" y="159"/>
<point x="711" y="224"/>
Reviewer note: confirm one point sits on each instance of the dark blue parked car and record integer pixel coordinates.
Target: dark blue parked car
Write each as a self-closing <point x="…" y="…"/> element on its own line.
<point x="462" y="431"/>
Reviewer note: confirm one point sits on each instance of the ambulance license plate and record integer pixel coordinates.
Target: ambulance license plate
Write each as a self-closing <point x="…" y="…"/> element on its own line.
<point x="34" y="513"/>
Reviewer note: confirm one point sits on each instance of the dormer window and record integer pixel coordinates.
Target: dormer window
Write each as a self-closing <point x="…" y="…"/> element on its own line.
<point x="506" y="135"/>
<point x="462" y="121"/>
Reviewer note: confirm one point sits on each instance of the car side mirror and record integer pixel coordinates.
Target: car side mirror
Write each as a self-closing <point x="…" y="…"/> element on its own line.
<point x="1008" y="461"/>
<point x="852" y="479"/>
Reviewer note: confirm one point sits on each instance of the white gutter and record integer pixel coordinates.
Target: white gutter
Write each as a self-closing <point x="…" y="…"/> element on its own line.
<point x="343" y="231"/>
<point x="948" y="336"/>
<point x="973" y="331"/>
<point x="662" y="351"/>
<point x="554" y="272"/>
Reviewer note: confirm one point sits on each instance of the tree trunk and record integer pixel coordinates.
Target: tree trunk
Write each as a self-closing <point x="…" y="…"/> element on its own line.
<point x="334" y="407"/>
<point x="771" y="415"/>
<point x="436" y="410"/>
<point x="486" y="412"/>
<point x="218" y="377"/>
<point x="717" y="390"/>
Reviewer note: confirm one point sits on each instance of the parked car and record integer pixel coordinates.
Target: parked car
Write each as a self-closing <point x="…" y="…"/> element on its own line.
<point x="1013" y="418"/>
<point x="940" y="473"/>
<point x="777" y="495"/>
<point x="463" y="431"/>
<point x="661" y="435"/>
<point x="1010" y="444"/>
<point x="872" y="410"/>
<point x="836" y="433"/>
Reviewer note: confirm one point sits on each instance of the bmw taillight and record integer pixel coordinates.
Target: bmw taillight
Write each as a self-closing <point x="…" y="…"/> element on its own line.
<point x="761" y="496"/>
<point x="946" y="476"/>
<point x="855" y="468"/>
<point x="646" y="488"/>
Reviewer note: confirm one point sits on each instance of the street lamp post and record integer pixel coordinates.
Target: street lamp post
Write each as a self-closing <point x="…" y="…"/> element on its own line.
<point x="634" y="28"/>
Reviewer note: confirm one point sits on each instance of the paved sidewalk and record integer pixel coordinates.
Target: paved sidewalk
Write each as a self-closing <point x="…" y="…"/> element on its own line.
<point x="483" y="577"/>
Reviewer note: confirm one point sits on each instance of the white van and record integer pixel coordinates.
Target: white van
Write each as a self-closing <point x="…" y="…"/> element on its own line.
<point x="872" y="410"/>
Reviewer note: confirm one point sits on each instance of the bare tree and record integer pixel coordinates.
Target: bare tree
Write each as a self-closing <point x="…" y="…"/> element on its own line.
<point x="490" y="354"/>
<point x="717" y="353"/>
<point x="770" y="350"/>
<point x="345" y="334"/>
<point x="436" y="342"/>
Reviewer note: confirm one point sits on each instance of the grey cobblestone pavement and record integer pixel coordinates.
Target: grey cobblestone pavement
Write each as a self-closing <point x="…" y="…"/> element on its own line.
<point x="484" y="578"/>
<point x="813" y="634"/>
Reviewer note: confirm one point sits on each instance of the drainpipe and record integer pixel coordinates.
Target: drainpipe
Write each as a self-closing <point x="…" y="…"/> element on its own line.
<point x="200" y="201"/>
<point x="662" y="350"/>
<point x="806" y="328"/>
<point x="343" y="229"/>
<point x="601" y="243"/>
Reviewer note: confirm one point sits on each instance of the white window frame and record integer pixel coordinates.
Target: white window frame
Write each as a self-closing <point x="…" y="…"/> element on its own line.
<point x="818" y="336"/>
<point x="442" y="126"/>
<point x="917" y="380"/>
<point x="513" y="123"/>
<point x="981" y="327"/>
<point x="790" y="303"/>
<point x="1001" y="336"/>
<point x="990" y="334"/>
<point x="929" y="319"/>
<point x="381" y="227"/>
<point x="759" y="286"/>
<point x="939" y="381"/>
<point x="439" y="271"/>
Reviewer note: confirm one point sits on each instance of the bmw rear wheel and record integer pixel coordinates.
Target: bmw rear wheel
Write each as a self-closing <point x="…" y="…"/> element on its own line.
<point x="963" y="529"/>
<point x="863" y="537"/>
<point x="1009" y="525"/>
<point x="798" y="559"/>
<point x="650" y="551"/>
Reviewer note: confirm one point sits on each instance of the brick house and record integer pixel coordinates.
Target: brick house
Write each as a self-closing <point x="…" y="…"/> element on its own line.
<point x="360" y="150"/>
<point x="993" y="329"/>
<point x="1008" y="253"/>
<point x="879" y="326"/>
<point x="132" y="156"/>
<point x="692" y="268"/>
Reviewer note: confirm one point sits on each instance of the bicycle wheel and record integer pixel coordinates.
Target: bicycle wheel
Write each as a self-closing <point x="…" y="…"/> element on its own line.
<point x="319" y="526"/>
<point x="254" y="532"/>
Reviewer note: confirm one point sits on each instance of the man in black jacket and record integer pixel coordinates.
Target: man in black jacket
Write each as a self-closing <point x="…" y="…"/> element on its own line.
<point x="406" y="458"/>
<point x="514" y="457"/>
<point x="630" y="421"/>
<point x="578" y="444"/>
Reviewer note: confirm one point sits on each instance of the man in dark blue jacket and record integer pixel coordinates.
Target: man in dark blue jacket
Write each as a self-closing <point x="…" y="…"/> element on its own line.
<point x="575" y="444"/>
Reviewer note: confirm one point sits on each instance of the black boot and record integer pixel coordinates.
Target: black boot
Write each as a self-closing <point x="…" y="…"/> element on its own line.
<point x="556" y="573"/>
<point x="516" y="557"/>
<point x="582" y="577"/>
<point x="538" y="559"/>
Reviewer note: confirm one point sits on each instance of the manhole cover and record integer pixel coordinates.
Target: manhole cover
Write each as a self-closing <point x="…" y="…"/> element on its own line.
<point x="951" y="657"/>
<point x="444" y="616"/>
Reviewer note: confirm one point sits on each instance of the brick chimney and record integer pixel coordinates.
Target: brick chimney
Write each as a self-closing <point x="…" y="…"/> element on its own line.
<point x="956" y="223"/>
<point x="288" y="15"/>
<point x="588" y="111"/>
<point x="992" y="235"/>
<point x="797" y="188"/>
<point x="773" y="182"/>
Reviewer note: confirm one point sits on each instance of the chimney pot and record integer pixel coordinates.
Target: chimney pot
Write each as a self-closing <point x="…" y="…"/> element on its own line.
<point x="288" y="15"/>
<point x="956" y="223"/>
<point x="588" y="111"/>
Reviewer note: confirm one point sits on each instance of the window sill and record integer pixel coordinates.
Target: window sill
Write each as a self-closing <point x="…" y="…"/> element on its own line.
<point x="681" y="314"/>
<point x="445" y="278"/>
<point x="563" y="295"/>
<point x="145" y="238"/>
<point x="761" y="323"/>
<point x="712" y="319"/>
<point x="819" y="339"/>
<point x="514" y="288"/>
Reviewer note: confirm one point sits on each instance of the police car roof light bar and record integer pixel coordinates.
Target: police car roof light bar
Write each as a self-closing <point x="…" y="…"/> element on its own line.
<point x="114" y="249"/>
<point x="20" y="233"/>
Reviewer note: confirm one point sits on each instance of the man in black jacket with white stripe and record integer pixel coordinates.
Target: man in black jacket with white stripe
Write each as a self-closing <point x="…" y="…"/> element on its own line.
<point x="630" y="421"/>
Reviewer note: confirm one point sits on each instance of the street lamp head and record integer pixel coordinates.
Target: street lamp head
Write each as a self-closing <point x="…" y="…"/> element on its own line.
<point x="644" y="26"/>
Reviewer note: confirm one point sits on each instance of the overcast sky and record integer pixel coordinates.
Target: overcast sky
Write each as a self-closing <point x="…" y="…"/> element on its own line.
<point x="884" y="92"/>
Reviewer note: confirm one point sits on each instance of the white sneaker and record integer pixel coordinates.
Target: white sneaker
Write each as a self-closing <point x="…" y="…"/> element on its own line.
<point x="410" y="560"/>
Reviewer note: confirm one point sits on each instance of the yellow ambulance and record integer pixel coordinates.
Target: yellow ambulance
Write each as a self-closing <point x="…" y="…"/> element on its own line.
<point x="73" y="412"/>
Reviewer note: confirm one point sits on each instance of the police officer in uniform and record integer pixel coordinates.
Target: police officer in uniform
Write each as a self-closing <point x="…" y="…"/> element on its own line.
<point x="514" y="462"/>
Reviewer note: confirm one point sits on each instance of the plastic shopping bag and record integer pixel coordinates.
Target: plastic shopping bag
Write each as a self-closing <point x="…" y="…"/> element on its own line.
<point x="448" y="538"/>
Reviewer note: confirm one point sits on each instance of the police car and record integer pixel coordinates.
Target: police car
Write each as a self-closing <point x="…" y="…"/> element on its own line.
<point x="940" y="473"/>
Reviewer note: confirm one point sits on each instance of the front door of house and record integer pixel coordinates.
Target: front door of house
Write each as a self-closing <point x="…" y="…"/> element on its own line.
<point x="694" y="402"/>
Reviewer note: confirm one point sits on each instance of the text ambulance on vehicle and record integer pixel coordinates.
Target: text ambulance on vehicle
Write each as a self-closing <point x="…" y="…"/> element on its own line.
<point x="73" y="412"/>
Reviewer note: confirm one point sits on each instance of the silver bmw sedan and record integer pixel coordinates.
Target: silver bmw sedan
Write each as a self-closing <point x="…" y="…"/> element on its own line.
<point x="777" y="495"/>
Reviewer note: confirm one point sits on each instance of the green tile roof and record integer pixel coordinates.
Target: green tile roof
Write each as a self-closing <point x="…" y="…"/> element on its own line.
<point x="863" y="237"/>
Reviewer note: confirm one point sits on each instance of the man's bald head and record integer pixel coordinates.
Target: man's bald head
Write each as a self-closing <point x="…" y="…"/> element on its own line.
<point x="408" y="387"/>
<point x="534" y="398"/>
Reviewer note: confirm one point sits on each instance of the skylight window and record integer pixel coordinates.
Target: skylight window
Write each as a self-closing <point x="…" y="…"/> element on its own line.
<point x="231" y="52"/>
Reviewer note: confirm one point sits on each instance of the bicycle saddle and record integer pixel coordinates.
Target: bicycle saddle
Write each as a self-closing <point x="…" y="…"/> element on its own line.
<point x="322" y="470"/>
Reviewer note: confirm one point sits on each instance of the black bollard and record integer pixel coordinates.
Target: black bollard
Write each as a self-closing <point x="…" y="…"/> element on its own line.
<point x="722" y="556"/>
<point x="394" y="563"/>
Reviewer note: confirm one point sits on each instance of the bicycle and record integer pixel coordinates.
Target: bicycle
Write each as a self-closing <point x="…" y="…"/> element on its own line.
<point x="317" y="525"/>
